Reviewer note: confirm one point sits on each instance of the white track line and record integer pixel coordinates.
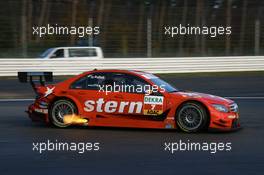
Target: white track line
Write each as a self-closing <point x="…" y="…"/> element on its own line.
<point x="247" y="98"/>
<point x="16" y="100"/>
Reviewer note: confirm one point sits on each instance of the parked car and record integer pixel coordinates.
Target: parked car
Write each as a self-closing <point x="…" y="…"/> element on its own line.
<point x="73" y="52"/>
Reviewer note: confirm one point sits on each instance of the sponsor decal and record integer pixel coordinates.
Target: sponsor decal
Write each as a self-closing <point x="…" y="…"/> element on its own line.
<point x="169" y="126"/>
<point x="99" y="77"/>
<point x="49" y="91"/>
<point x="157" y="100"/>
<point x="113" y="106"/>
<point x="153" y="105"/>
<point x="44" y="111"/>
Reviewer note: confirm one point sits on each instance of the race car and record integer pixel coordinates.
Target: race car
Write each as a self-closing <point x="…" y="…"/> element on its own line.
<point x="126" y="98"/>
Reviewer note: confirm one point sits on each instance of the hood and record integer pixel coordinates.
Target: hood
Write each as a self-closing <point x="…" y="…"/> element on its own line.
<point x="213" y="99"/>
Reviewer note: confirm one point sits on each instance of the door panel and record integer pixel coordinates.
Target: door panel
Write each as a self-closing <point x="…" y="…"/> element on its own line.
<point x="122" y="109"/>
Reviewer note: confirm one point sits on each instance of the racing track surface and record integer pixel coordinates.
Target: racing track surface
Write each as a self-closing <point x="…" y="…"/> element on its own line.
<point x="136" y="151"/>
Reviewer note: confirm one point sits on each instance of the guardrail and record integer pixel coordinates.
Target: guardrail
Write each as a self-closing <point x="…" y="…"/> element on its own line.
<point x="10" y="67"/>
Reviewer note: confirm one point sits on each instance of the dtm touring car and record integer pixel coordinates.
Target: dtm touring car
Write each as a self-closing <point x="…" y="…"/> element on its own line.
<point x="82" y="100"/>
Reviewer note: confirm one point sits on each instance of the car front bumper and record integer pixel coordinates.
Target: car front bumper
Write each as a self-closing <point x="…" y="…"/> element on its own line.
<point x="225" y="121"/>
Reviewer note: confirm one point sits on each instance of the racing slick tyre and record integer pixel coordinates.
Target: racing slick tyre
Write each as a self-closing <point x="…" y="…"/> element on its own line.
<point x="192" y="117"/>
<point x="59" y="109"/>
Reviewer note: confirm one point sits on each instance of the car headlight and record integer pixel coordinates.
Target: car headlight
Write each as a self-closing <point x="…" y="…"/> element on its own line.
<point x="220" y="108"/>
<point x="233" y="107"/>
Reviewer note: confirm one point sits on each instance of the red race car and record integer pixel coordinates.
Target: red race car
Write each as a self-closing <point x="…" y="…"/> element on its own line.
<point x="121" y="98"/>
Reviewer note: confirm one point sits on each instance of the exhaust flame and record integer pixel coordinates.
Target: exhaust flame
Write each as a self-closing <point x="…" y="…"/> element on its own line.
<point x="74" y="119"/>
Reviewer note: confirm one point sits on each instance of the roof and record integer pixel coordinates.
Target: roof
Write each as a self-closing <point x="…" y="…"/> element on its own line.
<point x="120" y="70"/>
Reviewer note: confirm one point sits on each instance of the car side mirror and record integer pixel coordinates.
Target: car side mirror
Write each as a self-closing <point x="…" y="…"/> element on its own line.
<point x="154" y="93"/>
<point x="148" y="92"/>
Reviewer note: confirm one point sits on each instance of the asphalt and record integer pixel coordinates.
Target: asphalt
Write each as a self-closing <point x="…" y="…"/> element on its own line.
<point x="136" y="151"/>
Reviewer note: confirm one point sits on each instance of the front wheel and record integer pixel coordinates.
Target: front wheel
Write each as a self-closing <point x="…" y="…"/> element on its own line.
<point x="59" y="109"/>
<point x="191" y="117"/>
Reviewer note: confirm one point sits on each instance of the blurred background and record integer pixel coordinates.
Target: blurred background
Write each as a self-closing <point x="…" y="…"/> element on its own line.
<point x="124" y="25"/>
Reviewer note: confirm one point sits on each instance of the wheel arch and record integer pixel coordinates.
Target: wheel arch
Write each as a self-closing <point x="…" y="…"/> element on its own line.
<point x="197" y="102"/>
<point x="71" y="99"/>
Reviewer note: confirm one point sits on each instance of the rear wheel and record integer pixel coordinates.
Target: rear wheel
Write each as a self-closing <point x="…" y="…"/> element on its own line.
<point x="59" y="109"/>
<point x="192" y="117"/>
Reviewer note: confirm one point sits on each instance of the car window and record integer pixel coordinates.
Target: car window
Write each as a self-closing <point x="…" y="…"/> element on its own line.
<point x="46" y="53"/>
<point x="58" y="54"/>
<point x="112" y="82"/>
<point x="166" y="86"/>
<point x="90" y="82"/>
<point x="79" y="84"/>
<point x="87" y="52"/>
<point x="94" y="81"/>
<point x="122" y="82"/>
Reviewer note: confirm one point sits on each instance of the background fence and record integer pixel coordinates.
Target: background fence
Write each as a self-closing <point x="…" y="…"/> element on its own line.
<point x="123" y="25"/>
<point x="10" y="67"/>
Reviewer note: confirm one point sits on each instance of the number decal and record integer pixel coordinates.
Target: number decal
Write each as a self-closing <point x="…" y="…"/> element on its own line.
<point x="153" y="105"/>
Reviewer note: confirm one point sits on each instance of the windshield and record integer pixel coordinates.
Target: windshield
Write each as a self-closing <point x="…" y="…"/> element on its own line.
<point x="45" y="54"/>
<point x="163" y="84"/>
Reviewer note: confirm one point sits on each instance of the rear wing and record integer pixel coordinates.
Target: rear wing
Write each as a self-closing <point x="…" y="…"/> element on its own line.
<point x="35" y="77"/>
